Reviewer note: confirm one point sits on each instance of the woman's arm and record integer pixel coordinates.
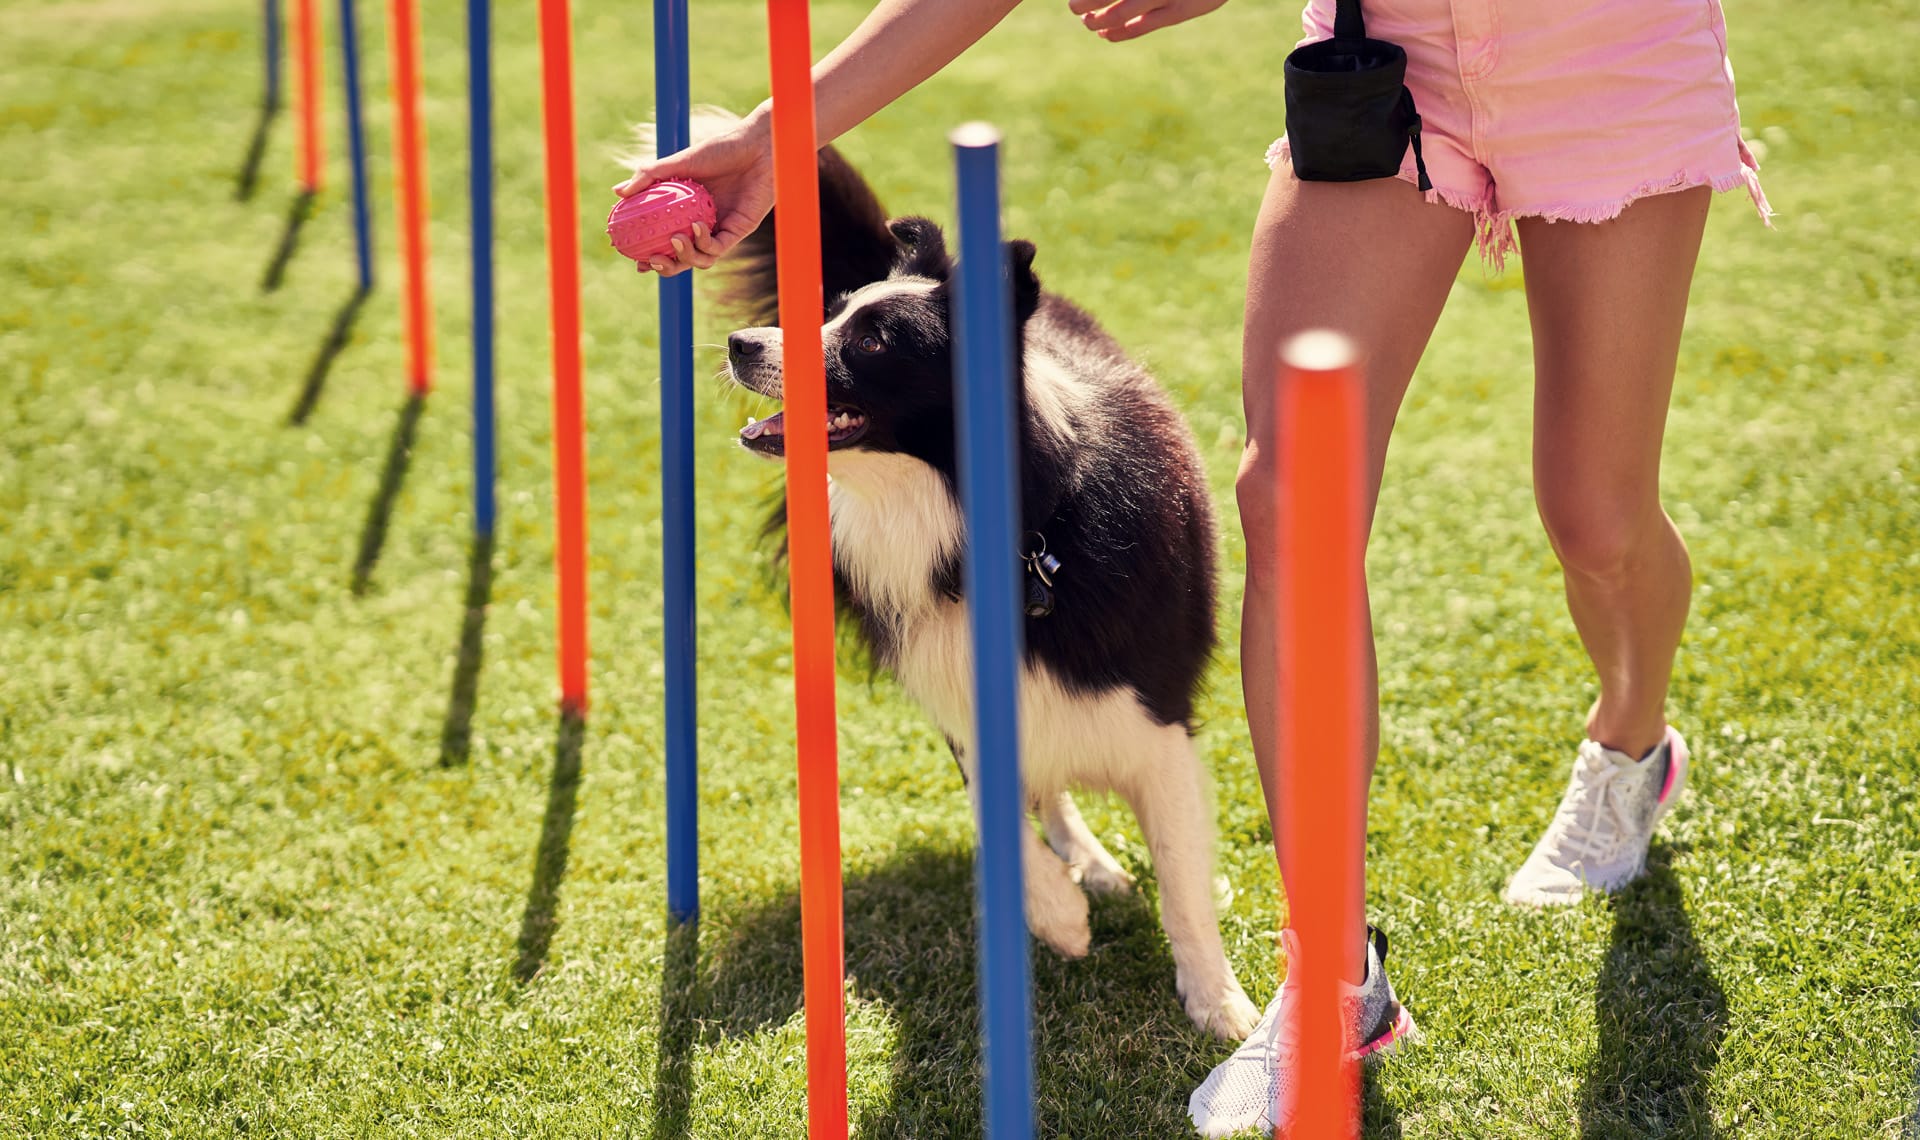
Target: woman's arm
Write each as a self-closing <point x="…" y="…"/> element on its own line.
<point x="898" y="45"/>
<point x="895" y="49"/>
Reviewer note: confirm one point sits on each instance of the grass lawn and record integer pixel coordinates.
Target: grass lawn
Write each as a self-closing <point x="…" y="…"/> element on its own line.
<point x="240" y="895"/>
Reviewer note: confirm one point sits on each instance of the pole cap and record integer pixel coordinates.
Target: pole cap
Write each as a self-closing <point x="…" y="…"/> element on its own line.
<point x="1319" y="350"/>
<point x="974" y="135"/>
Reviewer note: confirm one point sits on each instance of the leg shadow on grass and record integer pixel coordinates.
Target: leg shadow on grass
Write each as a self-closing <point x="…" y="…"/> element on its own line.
<point x="456" y="736"/>
<point x="1114" y="1054"/>
<point x="249" y="176"/>
<point x="289" y="241"/>
<point x="550" y="857"/>
<point x="330" y="349"/>
<point x="374" y="535"/>
<point x="1661" y="1015"/>
<point x="679" y="1013"/>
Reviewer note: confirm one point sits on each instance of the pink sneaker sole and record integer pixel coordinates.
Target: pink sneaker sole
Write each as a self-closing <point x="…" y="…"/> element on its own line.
<point x="1401" y="1033"/>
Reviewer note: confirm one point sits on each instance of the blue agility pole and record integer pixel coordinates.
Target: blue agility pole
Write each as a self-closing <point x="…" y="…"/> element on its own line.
<point x="480" y="194"/>
<point x="272" y="47"/>
<point x="989" y="487"/>
<point x="356" y="144"/>
<point x="672" y="114"/>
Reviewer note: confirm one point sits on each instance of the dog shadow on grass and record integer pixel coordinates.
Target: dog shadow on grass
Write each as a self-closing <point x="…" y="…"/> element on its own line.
<point x="1114" y="1054"/>
<point x="1661" y="1016"/>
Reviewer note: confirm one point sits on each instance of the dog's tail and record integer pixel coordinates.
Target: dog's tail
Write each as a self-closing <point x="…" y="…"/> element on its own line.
<point x="856" y="247"/>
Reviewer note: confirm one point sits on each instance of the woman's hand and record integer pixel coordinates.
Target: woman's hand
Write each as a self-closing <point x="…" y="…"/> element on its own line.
<point x="736" y="167"/>
<point x="1116" y="20"/>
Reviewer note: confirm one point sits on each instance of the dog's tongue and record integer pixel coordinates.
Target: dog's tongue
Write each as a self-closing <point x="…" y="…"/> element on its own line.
<point x="775" y="424"/>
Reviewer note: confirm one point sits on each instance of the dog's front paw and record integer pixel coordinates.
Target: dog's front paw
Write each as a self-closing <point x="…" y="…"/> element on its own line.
<point x="1221" y="1009"/>
<point x="1103" y="877"/>
<point x="1059" y="917"/>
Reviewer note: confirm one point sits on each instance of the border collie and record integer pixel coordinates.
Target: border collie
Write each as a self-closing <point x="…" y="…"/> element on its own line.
<point x="1112" y="486"/>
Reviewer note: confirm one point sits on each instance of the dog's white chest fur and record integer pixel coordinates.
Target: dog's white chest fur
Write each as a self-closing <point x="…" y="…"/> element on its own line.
<point x="894" y="521"/>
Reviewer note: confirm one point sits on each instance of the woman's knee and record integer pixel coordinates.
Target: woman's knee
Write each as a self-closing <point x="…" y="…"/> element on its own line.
<point x="1253" y="489"/>
<point x="1598" y="537"/>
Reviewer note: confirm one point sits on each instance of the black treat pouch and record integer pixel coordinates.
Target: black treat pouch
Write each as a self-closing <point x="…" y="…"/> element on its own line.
<point x="1349" y="113"/>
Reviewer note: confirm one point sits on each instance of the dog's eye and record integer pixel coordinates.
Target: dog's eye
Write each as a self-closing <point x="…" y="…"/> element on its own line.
<point x="870" y="344"/>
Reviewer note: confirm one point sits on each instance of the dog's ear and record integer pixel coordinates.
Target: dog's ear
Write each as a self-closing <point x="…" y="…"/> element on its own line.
<point x="923" y="249"/>
<point x="1026" y="287"/>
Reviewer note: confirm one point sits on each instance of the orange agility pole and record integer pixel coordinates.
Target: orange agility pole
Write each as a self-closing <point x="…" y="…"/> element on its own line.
<point x="410" y="159"/>
<point x="306" y="31"/>
<point x="569" y="425"/>
<point x="810" y="564"/>
<point x="1321" y="420"/>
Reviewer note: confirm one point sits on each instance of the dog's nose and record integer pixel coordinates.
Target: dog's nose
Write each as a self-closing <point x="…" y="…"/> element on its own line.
<point x="743" y="347"/>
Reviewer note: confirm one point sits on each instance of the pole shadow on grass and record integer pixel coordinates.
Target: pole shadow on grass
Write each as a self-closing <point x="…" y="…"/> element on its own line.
<point x="289" y="241"/>
<point x="249" y="176"/>
<point x="679" y="1013"/>
<point x="1661" y="1015"/>
<point x="330" y="349"/>
<point x="1912" y="1129"/>
<point x="1114" y="1053"/>
<point x="374" y="535"/>
<point x="550" y="857"/>
<point x="456" y="735"/>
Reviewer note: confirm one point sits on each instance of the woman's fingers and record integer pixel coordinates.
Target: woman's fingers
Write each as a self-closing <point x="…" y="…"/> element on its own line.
<point x="703" y="240"/>
<point x="1119" y="20"/>
<point x="1116" y="15"/>
<point x="1159" y="18"/>
<point x="685" y="252"/>
<point x="702" y="251"/>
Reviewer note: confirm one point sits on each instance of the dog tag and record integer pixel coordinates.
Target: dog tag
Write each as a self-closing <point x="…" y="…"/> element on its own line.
<point x="1044" y="566"/>
<point x="1041" y="567"/>
<point x="1039" y="596"/>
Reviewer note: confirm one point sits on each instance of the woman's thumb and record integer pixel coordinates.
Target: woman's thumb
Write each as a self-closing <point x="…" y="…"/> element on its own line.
<point x="644" y="175"/>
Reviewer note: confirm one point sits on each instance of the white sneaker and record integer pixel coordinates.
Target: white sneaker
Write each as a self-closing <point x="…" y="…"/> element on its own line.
<point x="1598" y="839"/>
<point x="1253" y="1088"/>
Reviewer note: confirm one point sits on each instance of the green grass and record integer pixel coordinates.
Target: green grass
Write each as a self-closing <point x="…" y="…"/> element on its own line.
<point x="240" y="896"/>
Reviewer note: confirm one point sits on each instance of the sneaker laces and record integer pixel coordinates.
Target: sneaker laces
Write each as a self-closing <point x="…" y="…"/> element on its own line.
<point x="1592" y="822"/>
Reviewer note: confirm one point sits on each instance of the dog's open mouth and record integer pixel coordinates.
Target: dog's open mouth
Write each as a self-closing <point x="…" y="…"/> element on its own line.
<point x="769" y="436"/>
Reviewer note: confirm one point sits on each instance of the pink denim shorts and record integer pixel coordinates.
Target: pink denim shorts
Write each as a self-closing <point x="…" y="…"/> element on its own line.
<point x="1564" y="110"/>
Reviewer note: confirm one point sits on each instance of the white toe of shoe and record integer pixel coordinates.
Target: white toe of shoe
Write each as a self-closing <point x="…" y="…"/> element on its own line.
<point x="1542" y="884"/>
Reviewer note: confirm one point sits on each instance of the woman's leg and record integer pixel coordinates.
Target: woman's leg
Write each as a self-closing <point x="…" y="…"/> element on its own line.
<point x="1607" y="302"/>
<point x="1372" y="260"/>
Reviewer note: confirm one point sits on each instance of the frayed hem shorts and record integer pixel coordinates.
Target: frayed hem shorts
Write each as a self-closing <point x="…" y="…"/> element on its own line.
<point x="1568" y="111"/>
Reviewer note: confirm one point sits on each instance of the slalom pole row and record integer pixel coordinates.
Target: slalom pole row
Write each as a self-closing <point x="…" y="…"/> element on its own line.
<point x="1320" y="437"/>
